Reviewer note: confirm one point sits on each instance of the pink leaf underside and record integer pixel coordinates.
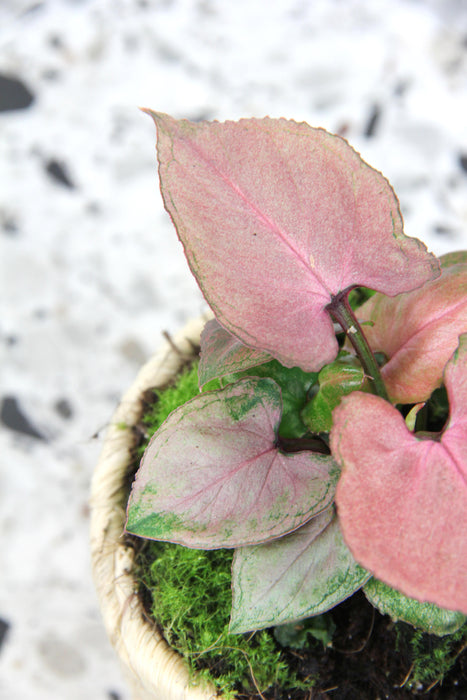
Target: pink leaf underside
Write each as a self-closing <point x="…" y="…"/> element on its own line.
<point x="212" y="476"/>
<point x="275" y="218"/>
<point x="402" y="501"/>
<point x="222" y="354"/>
<point x="303" y="574"/>
<point x="419" y="331"/>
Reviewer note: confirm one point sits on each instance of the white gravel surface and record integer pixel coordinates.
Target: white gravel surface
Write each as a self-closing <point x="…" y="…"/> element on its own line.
<point x="91" y="272"/>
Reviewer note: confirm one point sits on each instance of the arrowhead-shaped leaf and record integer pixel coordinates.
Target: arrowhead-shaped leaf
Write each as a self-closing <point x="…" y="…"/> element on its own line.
<point x="303" y="574"/>
<point x="402" y="500"/>
<point x="418" y="331"/>
<point x="425" y="616"/>
<point x="336" y="380"/>
<point x="212" y="475"/>
<point x="222" y="353"/>
<point x="276" y="218"/>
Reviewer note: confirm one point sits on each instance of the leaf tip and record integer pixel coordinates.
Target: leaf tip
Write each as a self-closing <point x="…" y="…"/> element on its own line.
<point x="159" y="118"/>
<point x="147" y="111"/>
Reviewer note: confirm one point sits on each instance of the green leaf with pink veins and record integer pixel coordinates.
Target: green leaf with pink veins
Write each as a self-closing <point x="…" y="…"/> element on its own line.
<point x="212" y="475"/>
<point x="277" y="219"/>
<point x="297" y="576"/>
<point x="402" y="498"/>
<point x="418" y="331"/>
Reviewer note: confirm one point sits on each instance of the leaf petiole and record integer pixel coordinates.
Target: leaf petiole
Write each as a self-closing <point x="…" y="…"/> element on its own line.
<point x="341" y="311"/>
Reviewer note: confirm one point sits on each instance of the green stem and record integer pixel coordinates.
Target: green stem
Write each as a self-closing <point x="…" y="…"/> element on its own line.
<point x="340" y="311"/>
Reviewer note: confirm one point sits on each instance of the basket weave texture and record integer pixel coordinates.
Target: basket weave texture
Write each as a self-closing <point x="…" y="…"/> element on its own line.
<point x="152" y="669"/>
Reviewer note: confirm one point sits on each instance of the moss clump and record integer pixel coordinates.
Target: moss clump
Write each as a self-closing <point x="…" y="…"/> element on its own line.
<point x="191" y="600"/>
<point x="171" y="397"/>
<point x="433" y="657"/>
<point x="191" y="593"/>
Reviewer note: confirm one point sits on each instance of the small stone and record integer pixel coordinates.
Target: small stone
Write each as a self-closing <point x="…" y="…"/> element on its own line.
<point x="442" y="230"/>
<point x="59" y="172"/>
<point x="56" y="41"/>
<point x="61" y="657"/>
<point x="63" y="408"/>
<point x="4" y="627"/>
<point x="401" y="88"/>
<point x="201" y="116"/>
<point x="14" y="94"/>
<point x="132" y="350"/>
<point x="12" y="417"/>
<point x="463" y="161"/>
<point x="94" y="208"/>
<point x="51" y="74"/>
<point x="373" y="120"/>
<point x="41" y="314"/>
<point x="35" y="7"/>
<point x="8" y="223"/>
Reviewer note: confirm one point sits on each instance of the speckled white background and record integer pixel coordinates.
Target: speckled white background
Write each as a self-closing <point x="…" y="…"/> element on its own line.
<point x="92" y="273"/>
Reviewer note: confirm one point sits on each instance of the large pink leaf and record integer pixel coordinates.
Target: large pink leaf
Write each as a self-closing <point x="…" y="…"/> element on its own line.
<point x="222" y="353"/>
<point x="418" y="331"/>
<point x="402" y="500"/>
<point x="303" y="574"/>
<point x="276" y="218"/>
<point x="212" y="475"/>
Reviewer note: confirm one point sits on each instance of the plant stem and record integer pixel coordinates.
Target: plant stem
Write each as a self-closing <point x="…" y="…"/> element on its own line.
<point x="340" y="311"/>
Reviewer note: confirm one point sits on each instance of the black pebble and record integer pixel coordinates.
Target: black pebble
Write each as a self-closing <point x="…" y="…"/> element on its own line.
<point x="401" y="88"/>
<point x="373" y="120"/>
<point x="463" y="162"/>
<point x="41" y="314"/>
<point x="58" y="172"/>
<point x="200" y="117"/>
<point x="13" y="418"/>
<point x="14" y="94"/>
<point x="63" y="408"/>
<point x="10" y="227"/>
<point x="4" y="627"/>
<point x="442" y="230"/>
<point x="35" y="7"/>
<point x="56" y="41"/>
<point x="113" y="695"/>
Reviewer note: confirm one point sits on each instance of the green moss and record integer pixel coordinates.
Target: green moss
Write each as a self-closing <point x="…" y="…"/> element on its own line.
<point x="170" y="398"/>
<point x="191" y="594"/>
<point x="191" y="600"/>
<point x="433" y="657"/>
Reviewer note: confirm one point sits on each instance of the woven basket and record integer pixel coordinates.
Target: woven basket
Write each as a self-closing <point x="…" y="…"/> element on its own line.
<point x="153" y="670"/>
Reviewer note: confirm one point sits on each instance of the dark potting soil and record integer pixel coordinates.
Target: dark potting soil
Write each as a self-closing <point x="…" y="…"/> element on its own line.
<point x="370" y="659"/>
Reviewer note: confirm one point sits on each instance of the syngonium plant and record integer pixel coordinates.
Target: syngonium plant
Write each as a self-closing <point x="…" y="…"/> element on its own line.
<point x="328" y="443"/>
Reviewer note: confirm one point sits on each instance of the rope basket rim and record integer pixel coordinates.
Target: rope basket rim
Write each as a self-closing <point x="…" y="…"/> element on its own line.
<point x="153" y="669"/>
